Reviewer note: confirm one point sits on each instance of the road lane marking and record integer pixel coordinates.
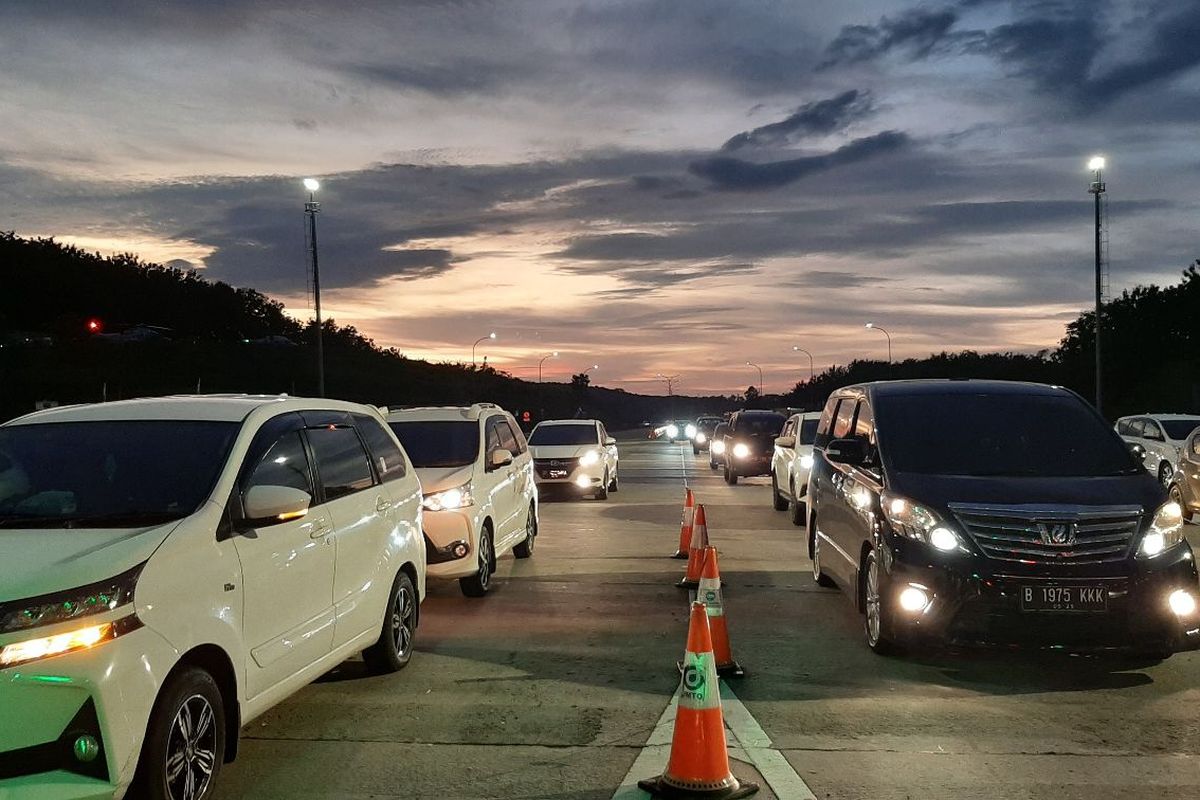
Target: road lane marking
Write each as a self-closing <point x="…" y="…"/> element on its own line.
<point x="747" y="742"/>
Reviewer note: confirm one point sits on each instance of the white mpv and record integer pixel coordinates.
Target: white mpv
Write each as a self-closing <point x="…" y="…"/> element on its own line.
<point x="173" y="567"/>
<point x="576" y="454"/>
<point x="792" y="462"/>
<point x="480" y="498"/>
<point x="1161" y="437"/>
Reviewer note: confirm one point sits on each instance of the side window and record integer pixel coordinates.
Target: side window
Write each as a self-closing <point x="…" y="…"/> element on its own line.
<point x="1152" y="430"/>
<point x="1196" y="445"/>
<point x="341" y="461"/>
<point x="385" y="454"/>
<point x="519" y="435"/>
<point x="603" y="433"/>
<point x="508" y="439"/>
<point x="789" y="428"/>
<point x="285" y="464"/>
<point x="845" y="418"/>
<point x="864" y="425"/>
<point x="826" y="423"/>
<point x="1123" y="428"/>
<point x="492" y="442"/>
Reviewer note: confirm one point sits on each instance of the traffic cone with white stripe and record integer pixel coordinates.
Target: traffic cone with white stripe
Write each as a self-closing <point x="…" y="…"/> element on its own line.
<point x="685" y="526"/>
<point x="709" y="593"/>
<point x="698" y="767"/>
<point x="691" y="576"/>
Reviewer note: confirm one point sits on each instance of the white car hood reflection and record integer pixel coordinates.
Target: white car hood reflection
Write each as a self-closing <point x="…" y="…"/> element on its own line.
<point x="439" y="479"/>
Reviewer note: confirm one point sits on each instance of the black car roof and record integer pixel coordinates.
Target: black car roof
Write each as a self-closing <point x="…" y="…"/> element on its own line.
<point x="942" y="386"/>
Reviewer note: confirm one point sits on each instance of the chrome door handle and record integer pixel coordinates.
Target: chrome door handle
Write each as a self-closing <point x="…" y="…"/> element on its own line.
<point x="320" y="529"/>
<point x="383" y="504"/>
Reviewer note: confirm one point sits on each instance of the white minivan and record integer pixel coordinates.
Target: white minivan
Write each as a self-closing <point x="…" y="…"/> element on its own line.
<point x="173" y="567"/>
<point x="1161" y="437"/>
<point x="575" y="454"/>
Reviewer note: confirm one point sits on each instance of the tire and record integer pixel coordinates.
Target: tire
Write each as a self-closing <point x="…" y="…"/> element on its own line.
<point x="602" y="492"/>
<point x="189" y="710"/>
<point x="797" y="509"/>
<point x="1177" y="495"/>
<point x="876" y="607"/>
<point x="525" y="548"/>
<point x="695" y="450"/>
<point x="819" y="577"/>
<point x="730" y="476"/>
<point x="614" y="485"/>
<point x="394" y="649"/>
<point x="480" y="583"/>
<point x="777" y="500"/>
<point x="712" y="465"/>
<point x="1165" y="473"/>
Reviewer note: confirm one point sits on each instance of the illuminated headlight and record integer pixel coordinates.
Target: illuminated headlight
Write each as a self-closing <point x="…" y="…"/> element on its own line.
<point x="672" y="431"/>
<point x="690" y="431"/>
<point x="450" y="499"/>
<point x="589" y="458"/>
<point x="806" y="461"/>
<point x="96" y="598"/>
<point x="718" y="447"/>
<point x="701" y="438"/>
<point x="1166" y="530"/>
<point x="47" y="646"/>
<point x="914" y="521"/>
<point x="740" y="450"/>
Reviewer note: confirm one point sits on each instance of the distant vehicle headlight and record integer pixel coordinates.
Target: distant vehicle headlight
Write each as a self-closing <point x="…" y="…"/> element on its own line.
<point x="701" y="438"/>
<point x="806" y="461"/>
<point x="1166" y="530"/>
<point x="589" y="458"/>
<point x="718" y="447"/>
<point x="740" y="450"/>
<point x="917" y="522"/>
<point x="449" y="499"/>
<point x="672" y="431"/>
<point x="690" y="431"/>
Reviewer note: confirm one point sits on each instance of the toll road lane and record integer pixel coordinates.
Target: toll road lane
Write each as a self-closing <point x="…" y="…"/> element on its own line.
<point x="551" y="686"/>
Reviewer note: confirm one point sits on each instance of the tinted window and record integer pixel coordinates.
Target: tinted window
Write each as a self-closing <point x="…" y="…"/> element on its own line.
<point x="845" y="417"/>
<point x="789" y="428"/>
<point x="109" y="474"/>
<point x="1124" y="428"/>
<point x="864" y="423"/>
<point x="1004" y="434"/>
<point x="550" y="435"/>
<point x="285" y="464"/>
<point x="808" y="430"/>
<point x="385" y="455"/>
<point x="492" y="438"/>
<point x="508" y="440"/>
<point x="439" y="444"/>
<point x="1151" y="430"/>
<point x="1196" y="446"/>
<point x="1179" y="428"/>
<point x="522" y="442"/>
<point x="826" y="421"/>
<point x="341" y="461"/>
<point x="751" y="424"/>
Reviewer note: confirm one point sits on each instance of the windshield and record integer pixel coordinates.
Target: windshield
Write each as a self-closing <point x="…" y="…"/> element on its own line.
<point x="808" y="430"/>
<point x="707" y="423"/>
<point x="448" y="443"/>
<point x="550" y="435"/>
<point x="1179" y="428"/>
<point x="109" y="474"/>
<point x="752" y="424"/>
<point x="1001" y="435"/>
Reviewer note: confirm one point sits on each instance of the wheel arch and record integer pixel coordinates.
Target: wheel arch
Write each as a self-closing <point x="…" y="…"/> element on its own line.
<point x="216" y="662"/>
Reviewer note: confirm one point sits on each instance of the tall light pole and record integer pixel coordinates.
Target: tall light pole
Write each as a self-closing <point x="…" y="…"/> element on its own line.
<point x="871" y="326"/>
<point x="543" y="361"/>
<point x="311" y="208"/>
<point x="1096" y="165"/>
<point x="592" y="367"/>
<point x="669" y="380"/>
<point x="491" y="335"/>
<point x="760" y="379"/>
<point x="811" y="372"/>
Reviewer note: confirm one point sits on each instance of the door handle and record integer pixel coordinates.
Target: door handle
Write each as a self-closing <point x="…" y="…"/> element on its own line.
<point x="383" y="504"/>
<point x="320" y="529"/>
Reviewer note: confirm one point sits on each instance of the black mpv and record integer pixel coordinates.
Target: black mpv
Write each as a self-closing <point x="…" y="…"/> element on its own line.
<point x="987" y="512"/>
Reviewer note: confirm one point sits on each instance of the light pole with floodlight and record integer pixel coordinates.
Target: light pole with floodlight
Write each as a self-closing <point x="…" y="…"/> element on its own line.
<point x="669" y="380"/>
<point x="811" y="372"/>
<point x="543" y="361"/>
<point x="871" y="326"/>
<point x="491" y="335"/>
<point x="760" y="377"/>
<point x="311" y="208"/>
<point x="1096" y="165"/>
<point x="592" y="367"/>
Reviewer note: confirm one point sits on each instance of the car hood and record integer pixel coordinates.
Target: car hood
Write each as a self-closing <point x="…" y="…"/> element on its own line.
<point x="439" y="479"/>
<point x="562" y="450"/>
<point x="942" y="490"/>
<point x="44" y="560"/>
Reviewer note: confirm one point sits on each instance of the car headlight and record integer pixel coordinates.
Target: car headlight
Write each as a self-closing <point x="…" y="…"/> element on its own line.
<point x="718" y="447"/>
<point x="449" y="499"/>
<point x="806" y="461"/>
<point x="1166" y="530"/>
<point x="589" y="458"/>
<point x="672" y="431"/>
<point x="740" y="450"/>
<point x="914" y="521"/>
<point x="690" y="431"/>
<point x="701" y="438"/>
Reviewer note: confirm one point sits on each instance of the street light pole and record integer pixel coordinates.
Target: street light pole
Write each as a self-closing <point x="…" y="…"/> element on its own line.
<point x="311" y="208"/>
<point x="543" y="361"/>
<point x="491" y="335"/>
<point x="1096" y="189"/>
<point x="669" y="380"/>
<point x="811" y="371"/>
<point x="760" y="377"/>
<point x="592" y="367"/>
<point x="872" y="326"/>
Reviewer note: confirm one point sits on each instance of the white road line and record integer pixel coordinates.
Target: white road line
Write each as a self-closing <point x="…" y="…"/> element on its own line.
<point x="747" y="742"/>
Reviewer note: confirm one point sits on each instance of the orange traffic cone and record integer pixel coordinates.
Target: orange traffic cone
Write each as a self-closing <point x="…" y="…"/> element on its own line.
<point x="709" y="593"/>
<point x="691" y="576"/>
<point x="699" y="762"/>
<point x="685" y="526"/>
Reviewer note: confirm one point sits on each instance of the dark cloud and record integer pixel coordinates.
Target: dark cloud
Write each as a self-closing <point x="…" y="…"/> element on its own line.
<point x="828" y="279"/>
<point x="811" y="119"/>
<point x="447" y="79"/>
<point x="733" y="174"/>
<point x="916" y="32"/>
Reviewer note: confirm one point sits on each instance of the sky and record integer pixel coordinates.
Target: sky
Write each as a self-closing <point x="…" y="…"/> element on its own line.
<point x="653" y="186"/>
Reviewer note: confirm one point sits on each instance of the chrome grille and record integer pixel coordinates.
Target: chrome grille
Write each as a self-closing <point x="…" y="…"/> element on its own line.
<point x="1051" y="534"/>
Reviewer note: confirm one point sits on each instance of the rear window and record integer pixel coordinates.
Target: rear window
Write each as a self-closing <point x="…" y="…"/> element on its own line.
<point x="448" y="443"/>
<point x="1011" y="435"/>
<point x="551" y="435"/>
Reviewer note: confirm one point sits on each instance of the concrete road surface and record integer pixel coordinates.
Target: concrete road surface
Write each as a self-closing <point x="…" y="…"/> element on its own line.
<point x="552" y="685"/>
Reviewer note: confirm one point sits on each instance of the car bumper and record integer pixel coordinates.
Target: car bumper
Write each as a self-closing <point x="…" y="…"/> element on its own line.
<point x="751" y="466"/>
<point x="446" y="533"/>
<point x="106" y="692"/>
<point x="581" y="479"/>
<point x="974" y="605"/>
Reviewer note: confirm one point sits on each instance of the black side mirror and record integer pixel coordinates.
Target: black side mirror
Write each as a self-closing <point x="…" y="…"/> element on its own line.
<point x="1138" y="451"/>
<point x="852" y="452"/>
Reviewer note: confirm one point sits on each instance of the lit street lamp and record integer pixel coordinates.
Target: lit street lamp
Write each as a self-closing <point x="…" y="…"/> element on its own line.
<point x="873" y="327"/>
<point x="811" y="371"/>
<point x="1096" y="165"/>
<point x="543" y="361"/>
<point x="491" y="335"/>
<point x="760" y="378"/>
<point x="592" y="367"/>
<point x="311" y="208"/>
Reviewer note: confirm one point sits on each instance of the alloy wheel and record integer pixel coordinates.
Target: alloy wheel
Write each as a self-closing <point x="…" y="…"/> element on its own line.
<point x="485" y="559"/>
<point x="874" y="615"/>
<point x="404" y="613"/>
<point x="191" y="753"/>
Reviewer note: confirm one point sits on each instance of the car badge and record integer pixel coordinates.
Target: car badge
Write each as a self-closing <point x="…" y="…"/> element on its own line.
<point x="556" y="463"/>
<point x="1061" y="534"/>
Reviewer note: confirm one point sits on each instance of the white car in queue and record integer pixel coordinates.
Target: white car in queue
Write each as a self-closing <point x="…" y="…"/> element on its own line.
<point x="791" y="463"/>
<point x="480" y="497"/>
<point x="174" y="567"/>
<point x="1161" y="437"/>
<point x="575" y="454"/>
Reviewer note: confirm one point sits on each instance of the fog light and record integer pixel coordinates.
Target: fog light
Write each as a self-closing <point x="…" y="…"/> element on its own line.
<point x="913" y="599"/>
<point x="1182" y="603"/>
<point x="583" y="481"/>
<point x="460" y="549"/>
<point x="86" y="748"/>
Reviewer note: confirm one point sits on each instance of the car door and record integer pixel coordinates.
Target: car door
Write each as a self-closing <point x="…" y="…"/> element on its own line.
<point x="499" y="483"/>
<point x="610" y="450"/>
<point x="287" y="569"/>
<point x="782" y="457"/>
<point x="518" y="475"/>
<point x="838" y="519"/>
<point x="1190" y="464"/>
<point x="1155" y="443"/>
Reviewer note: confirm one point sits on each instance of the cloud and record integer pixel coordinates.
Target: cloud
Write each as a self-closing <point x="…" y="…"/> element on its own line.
<point x="811" y="119"/>
<point x="918" y="32"/>
<point x="733" y="174"/>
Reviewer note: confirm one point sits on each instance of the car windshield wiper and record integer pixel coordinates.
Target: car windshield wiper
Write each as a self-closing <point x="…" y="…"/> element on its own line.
<point x="119" y="519"/>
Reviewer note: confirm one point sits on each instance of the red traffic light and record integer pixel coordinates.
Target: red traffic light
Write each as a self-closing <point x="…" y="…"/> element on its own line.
<point x="95" y="325"/>
<point x="526" y="416"/>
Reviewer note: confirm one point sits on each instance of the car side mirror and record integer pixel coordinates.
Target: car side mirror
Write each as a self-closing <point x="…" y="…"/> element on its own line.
<point x="270" y="505"/>
<point x="785" y="441"/>
<point x="609" y="441"/>
<point x="1138" y="451"/>
<point x="500" y="458"/>
<point x="852" y="452"/>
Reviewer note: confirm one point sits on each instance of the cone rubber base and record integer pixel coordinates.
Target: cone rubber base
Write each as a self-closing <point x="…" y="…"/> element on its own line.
<point x="679" y="554"/>
<point x="657" y="788"/>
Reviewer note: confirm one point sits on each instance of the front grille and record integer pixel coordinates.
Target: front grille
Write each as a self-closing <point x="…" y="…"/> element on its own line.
<point x="1051" y="534"/>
